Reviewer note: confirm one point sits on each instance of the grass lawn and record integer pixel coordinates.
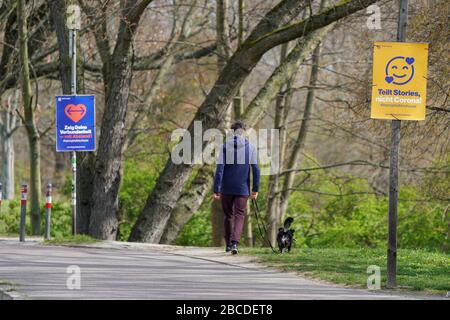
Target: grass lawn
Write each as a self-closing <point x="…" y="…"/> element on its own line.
<point x="417" y="270"/>
<point x="77" y="239"/>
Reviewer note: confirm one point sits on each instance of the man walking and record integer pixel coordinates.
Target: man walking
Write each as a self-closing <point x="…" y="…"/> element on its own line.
<point x="232" y="183"/>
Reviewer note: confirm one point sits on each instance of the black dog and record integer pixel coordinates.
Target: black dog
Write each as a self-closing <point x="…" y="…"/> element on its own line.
<point x="285" y="236"/>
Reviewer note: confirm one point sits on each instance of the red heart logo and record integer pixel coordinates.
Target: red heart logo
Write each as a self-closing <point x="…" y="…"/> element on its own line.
<point x="75" y="112"/>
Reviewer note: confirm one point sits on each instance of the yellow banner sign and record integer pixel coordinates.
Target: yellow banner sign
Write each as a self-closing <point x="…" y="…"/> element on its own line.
<point x="399" y="88"/>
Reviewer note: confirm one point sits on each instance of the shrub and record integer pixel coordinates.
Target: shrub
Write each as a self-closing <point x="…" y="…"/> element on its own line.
<point x="61" y="219"/>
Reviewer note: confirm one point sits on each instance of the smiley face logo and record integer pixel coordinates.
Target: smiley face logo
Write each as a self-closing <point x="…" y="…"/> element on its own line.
<point x="399" y="70"/>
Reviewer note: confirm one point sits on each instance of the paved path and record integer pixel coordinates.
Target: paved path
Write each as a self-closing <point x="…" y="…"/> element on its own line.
<point x="137" y="271"/>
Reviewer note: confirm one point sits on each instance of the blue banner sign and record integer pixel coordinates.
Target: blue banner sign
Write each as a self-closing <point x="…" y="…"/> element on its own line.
<point x="75" y="123"/>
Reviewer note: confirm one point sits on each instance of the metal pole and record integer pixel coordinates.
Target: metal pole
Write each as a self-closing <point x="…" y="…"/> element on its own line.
<point x="74" y="193"/>
<point x="73" y="55"/>
<point x="1" y="197"/>
<point x="393" y="199"/>
<point x="23" y="211"/>
<point x="48" y="211"/>
<point x="393" y="170"/>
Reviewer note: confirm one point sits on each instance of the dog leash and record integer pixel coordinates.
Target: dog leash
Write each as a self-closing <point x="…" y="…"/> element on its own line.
<point x="255" y="204"/>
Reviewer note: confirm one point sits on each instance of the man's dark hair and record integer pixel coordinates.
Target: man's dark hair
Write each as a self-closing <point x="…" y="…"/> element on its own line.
<point x="238" y="125"/>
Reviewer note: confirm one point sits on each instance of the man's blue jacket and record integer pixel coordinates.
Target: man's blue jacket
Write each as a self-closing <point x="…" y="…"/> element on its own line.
<point x="232" y="177"/>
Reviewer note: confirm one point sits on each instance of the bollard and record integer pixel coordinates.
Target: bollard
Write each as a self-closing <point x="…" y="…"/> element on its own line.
<point x="23" y="211"/>
<point x="1" y="197"/>
<point x="48" y="211"/>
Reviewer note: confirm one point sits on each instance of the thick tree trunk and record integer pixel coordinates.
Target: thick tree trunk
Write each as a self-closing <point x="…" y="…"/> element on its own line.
<point x="189" y="202"/>
<point x="107" y="178"/>
<point x="151" y="223"/>
<point x="59" y="175"/>
<point x="103" y="221"/>
<point x="57" y="10"/>
<point x="85" y="175"/>
<point x="35" y="181"/>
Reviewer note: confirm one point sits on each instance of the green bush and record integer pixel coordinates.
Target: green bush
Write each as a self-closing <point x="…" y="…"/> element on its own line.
<point x="61" y="219"/>
<point x="358" y="218"/>
<point x="10" y="217"/>
<point x="198" y="230"/>
<point x="141" y="171"/>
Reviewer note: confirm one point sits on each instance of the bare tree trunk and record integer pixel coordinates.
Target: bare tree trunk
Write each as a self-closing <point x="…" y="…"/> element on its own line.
<point x="7" y="128"/>
<point x="223" y="34"/>
<point x="7" y="156"/>
<point x="300" y="141"/>
<point x="30" y="121"/>
<point x="188" y="204"/>
<point x="238" y="102"/>
<point x="273" y="192"/>
<point x="224" y="51"/>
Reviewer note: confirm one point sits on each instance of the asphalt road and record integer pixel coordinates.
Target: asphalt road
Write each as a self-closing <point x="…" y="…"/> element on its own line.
<point x="117" y="271"/>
